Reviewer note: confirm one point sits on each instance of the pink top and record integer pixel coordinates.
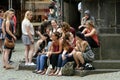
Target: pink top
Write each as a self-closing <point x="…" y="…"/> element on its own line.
<point x="55" y="47"/>
<point x="94" y="37"/>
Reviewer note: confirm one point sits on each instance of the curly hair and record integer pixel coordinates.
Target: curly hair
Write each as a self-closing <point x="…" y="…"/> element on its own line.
<point x="65" y="26"/>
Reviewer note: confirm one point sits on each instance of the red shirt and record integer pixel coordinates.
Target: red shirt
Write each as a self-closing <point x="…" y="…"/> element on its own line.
<point x="55" y="47"/>
<point x="94" y="37"/>
<point x="15" y="21"/>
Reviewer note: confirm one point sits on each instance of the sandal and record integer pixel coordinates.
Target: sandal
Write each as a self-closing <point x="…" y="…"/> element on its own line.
<point x="59" y="74"/>
<point x="38" y="72"/>
<point x="35" y="71"/>
<point x="43" y="73"/>
<point x="51" y="74"/>
<point x="79" y="68"/>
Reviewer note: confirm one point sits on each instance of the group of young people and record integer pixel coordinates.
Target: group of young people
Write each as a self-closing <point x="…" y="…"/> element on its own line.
<point x="58" y="44"/>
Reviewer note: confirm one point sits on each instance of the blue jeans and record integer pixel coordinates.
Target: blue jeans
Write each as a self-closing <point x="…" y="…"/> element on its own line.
<point x="41" y="62"/>
<point x="61" y="62"/>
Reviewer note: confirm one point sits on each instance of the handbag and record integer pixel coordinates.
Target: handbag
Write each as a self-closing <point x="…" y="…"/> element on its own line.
<point x="9" y="43"/>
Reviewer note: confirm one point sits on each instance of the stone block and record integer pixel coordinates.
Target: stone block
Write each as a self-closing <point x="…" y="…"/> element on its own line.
<point x="22" y="66"/>
<point x="109" y="47"/>
<point x="83" y="73"/>
<point x="106" y="64"/>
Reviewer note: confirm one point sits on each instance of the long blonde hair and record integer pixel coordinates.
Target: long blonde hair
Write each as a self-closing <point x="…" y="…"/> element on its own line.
<point x="27" y="13"/>
<point x="6" y="15"/>
<point x="90" y="22"/>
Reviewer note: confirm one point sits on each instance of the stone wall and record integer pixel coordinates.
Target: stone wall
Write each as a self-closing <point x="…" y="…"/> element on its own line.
<point x="109" y="47"/>
<point x="102" y="11"/>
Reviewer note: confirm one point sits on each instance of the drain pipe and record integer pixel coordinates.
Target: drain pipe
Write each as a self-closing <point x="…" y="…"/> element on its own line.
<point x="115" y="19"/>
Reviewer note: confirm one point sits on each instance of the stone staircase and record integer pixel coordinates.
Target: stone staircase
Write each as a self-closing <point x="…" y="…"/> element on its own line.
<point x="101" y="66"/>
<point x="107" y="57"/>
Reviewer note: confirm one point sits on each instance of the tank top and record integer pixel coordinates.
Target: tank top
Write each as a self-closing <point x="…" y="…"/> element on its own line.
<point x="11" y="29"/>
<point x="55" y="47"/>
<point x="94" y="37"/>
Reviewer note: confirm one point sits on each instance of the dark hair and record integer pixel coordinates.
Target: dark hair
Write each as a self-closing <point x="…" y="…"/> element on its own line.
<point x="48" y="38"/>
<point x="43" y="26"/>
<point x="57" y="34"/>
<point x="54" y="20"/>
<point x="67" y="35"/>
<point x="51" y="6"/>
<point x="43" y="44"/>
<point x="80" y="35"/>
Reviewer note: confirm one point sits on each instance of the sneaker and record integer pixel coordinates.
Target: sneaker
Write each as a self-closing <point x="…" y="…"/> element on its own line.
<point x="26" y="64"/>
<point x="31" y="64"/>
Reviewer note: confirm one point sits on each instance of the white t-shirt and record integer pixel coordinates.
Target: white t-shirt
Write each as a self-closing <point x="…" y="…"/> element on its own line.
<point x="27" y="23"/>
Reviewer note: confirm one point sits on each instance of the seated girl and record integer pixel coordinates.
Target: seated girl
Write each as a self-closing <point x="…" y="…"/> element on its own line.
<point x="82" y="52"/>
<point x="68" y="45"/>
<point x="41" y="58"/>
<point x="91" y="34"/>
<point x="55" y="50"/>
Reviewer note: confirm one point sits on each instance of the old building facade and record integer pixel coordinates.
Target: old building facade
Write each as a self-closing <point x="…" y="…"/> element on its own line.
<point x="106" y="12"/>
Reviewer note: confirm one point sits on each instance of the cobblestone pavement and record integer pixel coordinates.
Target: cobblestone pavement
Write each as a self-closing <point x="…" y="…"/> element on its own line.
<point x="28" y="75"/>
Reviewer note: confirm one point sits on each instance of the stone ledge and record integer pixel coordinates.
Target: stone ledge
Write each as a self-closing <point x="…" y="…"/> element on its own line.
<point x="83" y="73"/>
<point x="22" y="66"/>
<point x="106" y="64"/>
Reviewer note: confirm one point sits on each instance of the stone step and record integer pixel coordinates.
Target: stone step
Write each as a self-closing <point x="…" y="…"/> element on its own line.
<point x="22" y="66"/>
<point x="83" y="73"/>
<point x="106" y="64"/>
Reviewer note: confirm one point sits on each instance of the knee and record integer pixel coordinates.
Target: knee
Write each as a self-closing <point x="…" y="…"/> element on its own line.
<point x="43" y="56"/>
<point x="79" y="54"/>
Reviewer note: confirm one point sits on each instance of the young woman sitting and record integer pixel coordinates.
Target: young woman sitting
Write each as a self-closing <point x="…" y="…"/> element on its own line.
<point x="82" y="52"/>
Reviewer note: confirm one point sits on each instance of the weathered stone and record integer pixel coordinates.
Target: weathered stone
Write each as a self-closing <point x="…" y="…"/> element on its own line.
<point x="68" y="69"/>
<point x="106" y="64"/>
<point x="81" y="73"/>
<point x="22" y="66"/>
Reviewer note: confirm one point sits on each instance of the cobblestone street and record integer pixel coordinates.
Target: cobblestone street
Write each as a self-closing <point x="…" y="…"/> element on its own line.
<point x="14" y="74"/>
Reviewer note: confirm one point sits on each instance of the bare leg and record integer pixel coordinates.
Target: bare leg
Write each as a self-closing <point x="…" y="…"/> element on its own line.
<point x="1" y="46"/>
<point x="80" y="57"/>
<point x="3" y="59"/>
<point x="76" y="59"/>
<point x="37" y="45"/>
<point x="60" y="72"/>
<point x="58" y="69"/>
<point x="7" y="51"/>
<point x="31" y="52"/>
<point x="26" y="53"/>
